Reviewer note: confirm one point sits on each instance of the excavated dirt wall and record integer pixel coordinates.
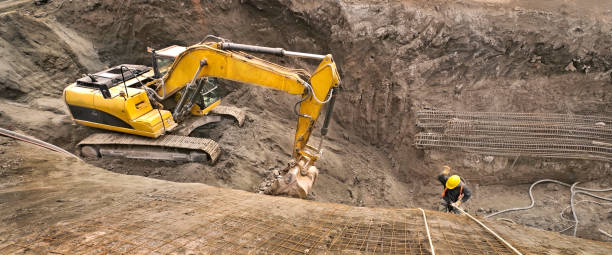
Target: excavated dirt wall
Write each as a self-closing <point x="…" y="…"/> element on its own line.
<point x="397" y="57"/>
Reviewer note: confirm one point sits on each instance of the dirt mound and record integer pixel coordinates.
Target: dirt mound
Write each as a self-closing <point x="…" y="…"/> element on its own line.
<point x="395" y="58"/>
<point x="40" y="56"/>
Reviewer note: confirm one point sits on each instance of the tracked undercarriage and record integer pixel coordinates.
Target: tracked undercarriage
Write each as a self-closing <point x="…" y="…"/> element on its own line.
<point x="178" y="146"/>
<point x="167" y="147"/>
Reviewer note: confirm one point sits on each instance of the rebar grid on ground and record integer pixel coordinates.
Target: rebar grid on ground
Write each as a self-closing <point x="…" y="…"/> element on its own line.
<point x="222" y="224"/>
<point x="517" y="134"/>
<point x="453" y="236"/>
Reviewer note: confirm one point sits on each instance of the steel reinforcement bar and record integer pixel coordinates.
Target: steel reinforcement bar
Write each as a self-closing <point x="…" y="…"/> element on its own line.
<point x="513" y="134"/>
<point x="428" y="118"/>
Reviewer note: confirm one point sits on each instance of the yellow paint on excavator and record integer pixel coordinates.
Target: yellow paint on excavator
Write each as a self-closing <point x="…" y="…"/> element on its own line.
<point x="132" y="108"/>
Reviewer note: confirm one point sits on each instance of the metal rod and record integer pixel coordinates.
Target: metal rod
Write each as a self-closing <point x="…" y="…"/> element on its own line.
<point x="124" y="85"/>
<point x="179" y="105"/>
<point x="433" y="251"/>
<point x="504" y="242"/>
<point x="268" y="50"/>
<point x="303" y="55"/>
<point x="251" y="48"/>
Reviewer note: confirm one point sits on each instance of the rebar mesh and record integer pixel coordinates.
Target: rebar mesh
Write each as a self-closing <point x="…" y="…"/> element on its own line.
<point x="438" y="118"/>
<point x="514" y="134"/>
<point x="222" y="224"/>
<point x="463" y="237"/>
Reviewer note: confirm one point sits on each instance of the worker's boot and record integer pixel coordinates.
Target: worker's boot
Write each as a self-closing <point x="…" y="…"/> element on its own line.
<point x="443" y="206"/>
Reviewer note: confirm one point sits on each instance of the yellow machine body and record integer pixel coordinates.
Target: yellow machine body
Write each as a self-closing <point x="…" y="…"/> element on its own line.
<point x="127" y="111"/>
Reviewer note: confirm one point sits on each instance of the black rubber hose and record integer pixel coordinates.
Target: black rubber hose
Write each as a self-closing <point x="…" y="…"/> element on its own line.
<point x="297" y="112"/>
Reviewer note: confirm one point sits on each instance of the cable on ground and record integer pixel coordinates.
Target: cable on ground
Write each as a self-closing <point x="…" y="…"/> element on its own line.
<point x="530" y="197"/>
<point x="572" y="188"/>
<point x="35" y="141"/>
<point x="604" y="232"/>
<point x="573" y="191"/>
<point x="581" y="201"/>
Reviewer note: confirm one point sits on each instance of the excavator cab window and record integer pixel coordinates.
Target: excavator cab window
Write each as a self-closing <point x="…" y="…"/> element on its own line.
<point x="163" y="59"/>
<point x="164" y="64"/>
<point x="208" y="92"/>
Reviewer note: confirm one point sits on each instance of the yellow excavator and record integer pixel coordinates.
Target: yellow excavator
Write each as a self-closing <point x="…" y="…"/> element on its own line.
<point x="153" y="109"/>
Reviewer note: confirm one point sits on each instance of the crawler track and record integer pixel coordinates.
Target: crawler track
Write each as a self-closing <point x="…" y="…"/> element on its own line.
<point x="234" y="112"/>
<point x="167" y="147"/>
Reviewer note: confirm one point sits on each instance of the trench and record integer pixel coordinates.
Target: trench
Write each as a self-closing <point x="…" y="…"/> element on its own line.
<point x="395" y="58"/>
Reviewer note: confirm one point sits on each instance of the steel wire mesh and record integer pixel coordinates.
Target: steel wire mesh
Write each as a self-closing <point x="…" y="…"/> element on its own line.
<point x="453" y="235"/>
<point x="222" y="224"/>
<point x="516" y="134"/>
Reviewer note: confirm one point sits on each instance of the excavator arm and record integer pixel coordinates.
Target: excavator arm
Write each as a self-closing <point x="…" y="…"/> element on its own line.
<point x="227" y="61"/>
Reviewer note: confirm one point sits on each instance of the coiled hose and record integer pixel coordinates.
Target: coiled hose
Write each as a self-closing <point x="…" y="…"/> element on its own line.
<point x="530" y="197"/>
<point x="573" y="189"/>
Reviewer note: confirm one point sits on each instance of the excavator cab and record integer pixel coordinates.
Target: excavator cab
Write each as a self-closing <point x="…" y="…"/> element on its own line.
<point x="206" y="97"/>
<point x="162" y="59"/>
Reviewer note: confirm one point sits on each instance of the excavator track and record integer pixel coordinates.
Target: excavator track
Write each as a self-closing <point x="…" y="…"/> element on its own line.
<point x="166" y="147"/>
<point x="191" y="124"/>
<point x="236" y="113"/>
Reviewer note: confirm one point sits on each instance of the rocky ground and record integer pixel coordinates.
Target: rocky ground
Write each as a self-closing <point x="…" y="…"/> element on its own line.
<point x="395" y="57"/>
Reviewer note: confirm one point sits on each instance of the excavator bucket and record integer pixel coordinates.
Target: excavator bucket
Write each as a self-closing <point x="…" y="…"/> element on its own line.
<point x="296" y="182"/>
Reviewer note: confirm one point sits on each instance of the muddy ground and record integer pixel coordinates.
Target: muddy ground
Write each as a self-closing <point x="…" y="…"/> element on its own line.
<point x="54" y="204"/>
<point x="395" y="57"/>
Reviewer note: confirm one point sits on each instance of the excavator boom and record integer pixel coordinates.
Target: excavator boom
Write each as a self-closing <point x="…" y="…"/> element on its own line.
<point x="210" y="60"/>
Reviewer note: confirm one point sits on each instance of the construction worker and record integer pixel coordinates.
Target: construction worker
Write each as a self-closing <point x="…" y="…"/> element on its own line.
<point x="455" y="191"/>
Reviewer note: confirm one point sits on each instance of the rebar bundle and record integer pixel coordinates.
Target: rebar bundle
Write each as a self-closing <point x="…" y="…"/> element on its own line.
<point x="513" y="134"/>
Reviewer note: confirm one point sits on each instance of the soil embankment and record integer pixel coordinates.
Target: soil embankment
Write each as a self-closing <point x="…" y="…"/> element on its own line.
<point x="55" y="204"/>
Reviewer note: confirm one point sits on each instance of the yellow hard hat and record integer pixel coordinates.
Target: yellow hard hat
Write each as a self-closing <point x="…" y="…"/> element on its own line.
<point x="453" y="181"/>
